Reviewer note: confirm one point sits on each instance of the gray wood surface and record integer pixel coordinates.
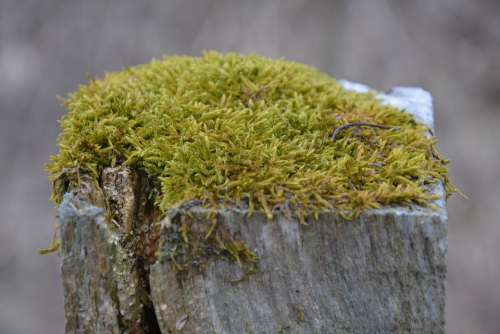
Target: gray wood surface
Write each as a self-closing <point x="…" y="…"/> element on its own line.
<point x="381" y="273"/>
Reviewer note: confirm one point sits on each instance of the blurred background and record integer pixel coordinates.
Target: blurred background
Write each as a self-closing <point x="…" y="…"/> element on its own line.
<point x="449" y="47"/>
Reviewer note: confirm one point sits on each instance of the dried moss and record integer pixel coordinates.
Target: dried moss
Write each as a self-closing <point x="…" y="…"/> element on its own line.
<point x="227" y="129"/>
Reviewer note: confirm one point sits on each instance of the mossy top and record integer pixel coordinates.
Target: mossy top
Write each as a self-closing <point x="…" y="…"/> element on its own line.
<point x="228" y="129"/>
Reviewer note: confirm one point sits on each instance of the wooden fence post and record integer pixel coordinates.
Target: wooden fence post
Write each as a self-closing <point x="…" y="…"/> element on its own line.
<point x="383" y="272"/>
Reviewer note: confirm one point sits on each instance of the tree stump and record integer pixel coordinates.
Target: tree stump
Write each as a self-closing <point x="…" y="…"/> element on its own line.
<point x="383" y="272"/>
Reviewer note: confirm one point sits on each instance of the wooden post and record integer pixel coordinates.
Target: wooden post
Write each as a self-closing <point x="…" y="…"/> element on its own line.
<point x="383" y="272"/>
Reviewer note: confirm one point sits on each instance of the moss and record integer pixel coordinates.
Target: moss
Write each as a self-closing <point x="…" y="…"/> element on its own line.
<point x="190" y="244"/>
<point x="227" y="129"/>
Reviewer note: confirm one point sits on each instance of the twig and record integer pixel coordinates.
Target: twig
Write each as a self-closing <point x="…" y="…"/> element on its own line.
<point x="255" y="95"/>
<point x="350" y="125"/>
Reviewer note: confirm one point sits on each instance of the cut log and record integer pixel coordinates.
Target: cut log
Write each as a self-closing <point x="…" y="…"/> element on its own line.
<point x="383" y="272"/>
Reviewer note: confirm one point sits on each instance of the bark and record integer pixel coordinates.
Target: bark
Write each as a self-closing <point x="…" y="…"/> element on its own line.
<point x="104" y="267"/>
<point x="383" y="272"/>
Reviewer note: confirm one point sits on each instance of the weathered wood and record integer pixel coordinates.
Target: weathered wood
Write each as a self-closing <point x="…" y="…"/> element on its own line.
<point x="105" y="278"/>
<point x="381" y="273"/>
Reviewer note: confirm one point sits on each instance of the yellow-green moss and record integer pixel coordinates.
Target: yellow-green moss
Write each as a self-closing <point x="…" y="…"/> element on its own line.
<point x="228" y="128"/>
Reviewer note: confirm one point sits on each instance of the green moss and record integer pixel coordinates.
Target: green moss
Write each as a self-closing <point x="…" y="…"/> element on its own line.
<point x="227" y="129"/>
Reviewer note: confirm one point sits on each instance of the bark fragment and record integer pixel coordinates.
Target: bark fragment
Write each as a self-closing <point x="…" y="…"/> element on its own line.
<point x="105" y="275"/>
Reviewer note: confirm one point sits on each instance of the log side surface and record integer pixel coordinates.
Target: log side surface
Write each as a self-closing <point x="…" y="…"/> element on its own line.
<point x="383" y="272"/>
<point x="105" y="279"/>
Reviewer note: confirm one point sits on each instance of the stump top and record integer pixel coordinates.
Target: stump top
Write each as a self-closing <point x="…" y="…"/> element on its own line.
<point x="227" y="128"/>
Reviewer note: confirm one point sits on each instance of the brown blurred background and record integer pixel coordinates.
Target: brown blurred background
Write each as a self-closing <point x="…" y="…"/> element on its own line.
<point x="450" y="47"/>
